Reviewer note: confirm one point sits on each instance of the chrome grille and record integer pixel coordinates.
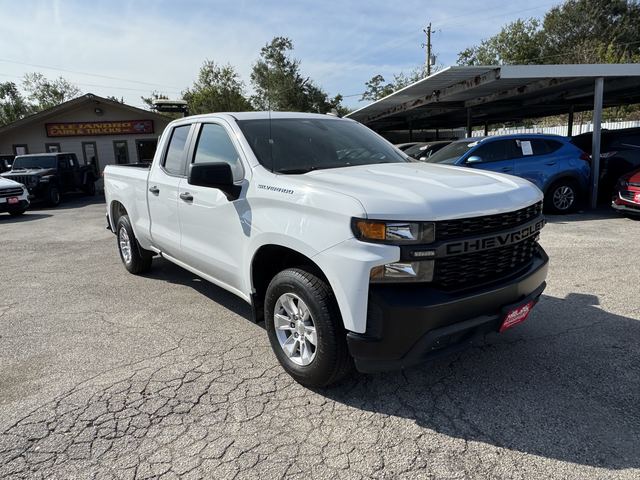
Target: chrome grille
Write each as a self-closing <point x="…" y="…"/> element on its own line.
<point x="11" y="192"/>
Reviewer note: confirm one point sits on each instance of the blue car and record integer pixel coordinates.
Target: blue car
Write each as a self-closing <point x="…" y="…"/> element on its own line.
<point x="556" y="166"/>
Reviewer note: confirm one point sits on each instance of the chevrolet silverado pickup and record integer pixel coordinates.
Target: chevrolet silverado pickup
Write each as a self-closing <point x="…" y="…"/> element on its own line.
<point x="351" y="253"/>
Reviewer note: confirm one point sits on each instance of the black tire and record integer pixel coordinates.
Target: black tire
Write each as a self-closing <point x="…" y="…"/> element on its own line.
<point x="137" y="260"/>
<point x="563" y="196"/>
<point x="89" y="188"/>
<point x="18" y="212"/>
<point x="332" y="361"/>
<point x="53" y="196"/>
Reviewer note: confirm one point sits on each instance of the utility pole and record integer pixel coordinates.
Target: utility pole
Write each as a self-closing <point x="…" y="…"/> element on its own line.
<point x="427" y="32"/>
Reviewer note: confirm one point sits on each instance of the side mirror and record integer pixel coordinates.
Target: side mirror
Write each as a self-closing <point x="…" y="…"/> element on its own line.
<point x="474" y="159"/>
<point x="214" y="175"/>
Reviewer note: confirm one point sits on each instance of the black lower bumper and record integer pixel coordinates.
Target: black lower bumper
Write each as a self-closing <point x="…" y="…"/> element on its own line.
<point x="408" y="324"/>
<point x="21" y="205"/>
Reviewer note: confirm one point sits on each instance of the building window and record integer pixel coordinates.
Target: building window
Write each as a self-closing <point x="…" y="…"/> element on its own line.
<point x="121" y="151"/>
<point x="52" y="147"/>
<point x="20" y="149"/>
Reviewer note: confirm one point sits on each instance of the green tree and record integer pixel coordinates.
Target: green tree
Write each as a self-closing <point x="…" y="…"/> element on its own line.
<point x="377" y="87"/>
<point x="280" y="85"/>
<point x="520" y="42"/>
<point x="44" y="93"/>
<point x="578" y="31"/>
<point x="217" y="89"/>
<point x="13" y="105"/>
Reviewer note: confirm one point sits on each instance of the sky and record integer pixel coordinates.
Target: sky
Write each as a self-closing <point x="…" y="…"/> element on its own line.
<point x="129" y="48"/>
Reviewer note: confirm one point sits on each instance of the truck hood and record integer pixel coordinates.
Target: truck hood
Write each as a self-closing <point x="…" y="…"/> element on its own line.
<point x="423" y="191"/>
<point x="29" y="171"/>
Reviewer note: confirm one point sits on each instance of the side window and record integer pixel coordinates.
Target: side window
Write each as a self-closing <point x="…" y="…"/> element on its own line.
<point x="539" y="147"/>
<point x="63" y="162"/>
<point x="552" y="146"/>
<point x="174" y="159"/>
<point x="495" y="151"/>
<point x="214" y="145"/>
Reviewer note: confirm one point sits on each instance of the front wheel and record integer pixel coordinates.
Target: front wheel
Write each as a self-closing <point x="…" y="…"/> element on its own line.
<point x="305" y="328"/>
<point x="135" y="259"/>
<point x="561" y="197"/>
<point x="17" y="212"/>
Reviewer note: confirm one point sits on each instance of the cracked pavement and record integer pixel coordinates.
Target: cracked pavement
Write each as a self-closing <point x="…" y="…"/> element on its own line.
<point x="108" y="375"/>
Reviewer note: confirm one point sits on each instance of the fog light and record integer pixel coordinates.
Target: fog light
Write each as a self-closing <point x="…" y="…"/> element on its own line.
<point x="421" y="271"/>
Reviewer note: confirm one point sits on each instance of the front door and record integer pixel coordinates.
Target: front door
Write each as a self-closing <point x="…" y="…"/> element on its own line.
<point x="163" y="187"/>
<point x="211" y="224"/>
<point x="90" y="154"/>
<point x="146" y="149"/>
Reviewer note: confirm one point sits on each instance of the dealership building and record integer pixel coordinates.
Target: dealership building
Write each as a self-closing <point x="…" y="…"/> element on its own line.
<point x="98" y="130"/>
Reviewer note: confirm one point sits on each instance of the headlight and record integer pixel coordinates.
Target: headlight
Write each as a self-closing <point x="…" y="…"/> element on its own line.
<point x="393" y="232"/>
<point x="421" y="271"/>
<point x="622" y="183"/>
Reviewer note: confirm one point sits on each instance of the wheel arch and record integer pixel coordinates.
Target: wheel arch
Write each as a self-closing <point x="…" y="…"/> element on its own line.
<point x="267" y="261"/>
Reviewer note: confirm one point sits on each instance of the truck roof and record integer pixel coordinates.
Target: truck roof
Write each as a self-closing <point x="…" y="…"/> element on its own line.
<point x="262" y="115"/>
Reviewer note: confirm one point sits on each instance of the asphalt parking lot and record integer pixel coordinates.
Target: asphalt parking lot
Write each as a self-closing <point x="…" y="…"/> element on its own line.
<point x="104" y="374"/>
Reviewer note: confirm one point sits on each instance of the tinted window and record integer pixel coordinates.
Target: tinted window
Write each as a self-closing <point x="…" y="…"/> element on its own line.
<point x="300" y="145"/>
<point x="629" y="141"/>
<point x="496" y="151"/>
<point x="34" y="162"/>
<point x="175" y="159"/>
<point x="214" y="145"/>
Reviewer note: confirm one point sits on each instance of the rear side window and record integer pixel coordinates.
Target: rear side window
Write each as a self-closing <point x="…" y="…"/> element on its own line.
<point x="174" y="160"/>
<point x="214" y="145"/>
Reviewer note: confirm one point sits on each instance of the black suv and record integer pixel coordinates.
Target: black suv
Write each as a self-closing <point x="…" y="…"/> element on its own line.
<point x="49" y="175"/>
<point x="619" y="154"/>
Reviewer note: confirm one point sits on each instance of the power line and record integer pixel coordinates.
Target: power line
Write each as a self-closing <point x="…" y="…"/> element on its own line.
<point x="100" y="86"/>
<point x="35" y="65"/>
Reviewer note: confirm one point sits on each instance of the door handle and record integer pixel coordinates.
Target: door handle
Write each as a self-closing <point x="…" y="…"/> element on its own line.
<point x="506" y="169"/>
<point x="186" y="196"/>
<point x="155" y="190"/>
<point x="550" y="163"/>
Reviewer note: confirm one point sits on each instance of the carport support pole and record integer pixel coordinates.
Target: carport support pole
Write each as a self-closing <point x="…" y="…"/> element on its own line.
<point x="595" y="145"/>
<point x="570" y="122"/>
<point x="468" y="123"/>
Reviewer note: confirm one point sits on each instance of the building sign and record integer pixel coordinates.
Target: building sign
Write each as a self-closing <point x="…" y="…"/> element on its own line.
<point x="81" y="129"/>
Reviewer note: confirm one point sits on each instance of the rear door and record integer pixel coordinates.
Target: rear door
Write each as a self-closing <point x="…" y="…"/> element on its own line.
<point x="539" y="160"/>
<point x="163" y="189"/>
<point x="214" y="229"/>
<point x="66" y="172"/>
<point x="496" y="155"/>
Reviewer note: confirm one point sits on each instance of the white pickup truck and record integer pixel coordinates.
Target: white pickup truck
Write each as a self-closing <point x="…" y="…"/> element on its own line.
<point x="351" y="252"/>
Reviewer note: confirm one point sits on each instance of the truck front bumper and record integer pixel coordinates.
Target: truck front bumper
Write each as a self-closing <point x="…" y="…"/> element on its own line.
<point x="408" y="324"/>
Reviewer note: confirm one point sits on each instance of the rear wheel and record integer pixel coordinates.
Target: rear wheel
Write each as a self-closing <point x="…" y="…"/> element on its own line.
<point x="53" y="195"/>
<point x="305" y="328"/>
<point x="135" y="258"/>
<point x="89" y="188"/>
<point x="562" y="197"/>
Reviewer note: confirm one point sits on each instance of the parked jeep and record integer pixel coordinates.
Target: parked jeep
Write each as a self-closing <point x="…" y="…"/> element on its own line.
<point x="48" y="176"/>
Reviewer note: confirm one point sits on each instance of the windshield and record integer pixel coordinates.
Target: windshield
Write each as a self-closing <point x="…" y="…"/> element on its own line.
<point x="295" y="145"/>
<point x="45" y="161"/>
<point x="452" y="152"/>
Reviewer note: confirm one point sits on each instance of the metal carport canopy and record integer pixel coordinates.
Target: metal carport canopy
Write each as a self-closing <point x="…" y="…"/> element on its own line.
<point x="500" y="93"/>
